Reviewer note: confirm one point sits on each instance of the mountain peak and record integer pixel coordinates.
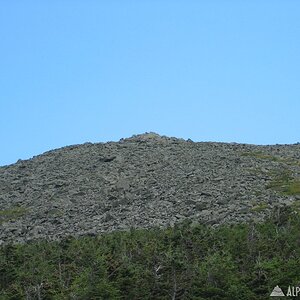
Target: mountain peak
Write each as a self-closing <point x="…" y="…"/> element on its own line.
<point x="147" y="136"/>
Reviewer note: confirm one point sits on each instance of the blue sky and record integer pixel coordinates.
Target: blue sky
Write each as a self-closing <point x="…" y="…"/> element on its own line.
<point x="78" y="71"/>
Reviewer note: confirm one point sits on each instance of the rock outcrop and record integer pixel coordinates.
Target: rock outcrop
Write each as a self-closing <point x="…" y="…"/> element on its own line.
<point x="143" y="181"/>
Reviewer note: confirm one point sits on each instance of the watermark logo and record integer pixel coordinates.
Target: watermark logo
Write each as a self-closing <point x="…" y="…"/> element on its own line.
<point x="293" y="291"/>
<point x="277" y="292"/>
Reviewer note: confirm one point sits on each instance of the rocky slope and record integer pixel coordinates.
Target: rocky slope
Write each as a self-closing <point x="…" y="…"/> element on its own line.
<point x="142" y="181"/>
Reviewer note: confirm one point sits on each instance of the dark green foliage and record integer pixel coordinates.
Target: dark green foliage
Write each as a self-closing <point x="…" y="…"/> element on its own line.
<point x="188" y="261"/>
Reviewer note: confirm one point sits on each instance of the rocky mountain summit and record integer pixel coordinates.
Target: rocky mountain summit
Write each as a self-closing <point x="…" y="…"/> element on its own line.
<point x="143" y="181"/>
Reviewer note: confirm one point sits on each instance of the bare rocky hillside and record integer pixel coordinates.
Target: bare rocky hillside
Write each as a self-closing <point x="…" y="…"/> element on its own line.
<point x="143" y="181"/>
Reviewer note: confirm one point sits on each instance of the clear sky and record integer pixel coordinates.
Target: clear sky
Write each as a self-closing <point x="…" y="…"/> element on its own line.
<point x="78" y="71"/>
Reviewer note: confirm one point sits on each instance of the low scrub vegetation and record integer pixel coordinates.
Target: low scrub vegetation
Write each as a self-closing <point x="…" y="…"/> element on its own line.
<point x="261" y="155"/>
<point x="290" y="161"/>
<point x="259" y="207"/>
<point x="11" y="214"/>
<point x="285" y="183"/>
